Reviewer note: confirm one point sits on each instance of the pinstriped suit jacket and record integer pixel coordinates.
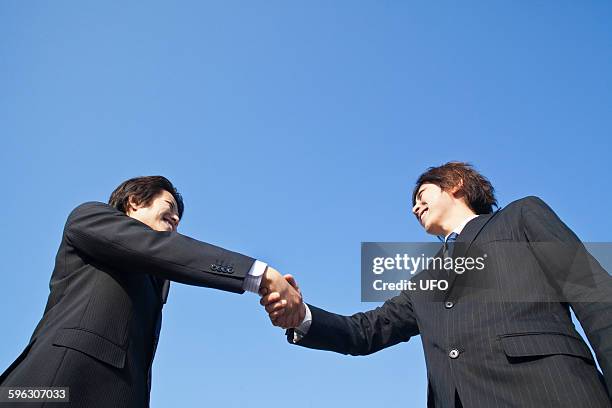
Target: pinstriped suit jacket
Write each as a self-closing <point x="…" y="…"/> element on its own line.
<point x="97" y="334"/>
<point x="502" y="337"/>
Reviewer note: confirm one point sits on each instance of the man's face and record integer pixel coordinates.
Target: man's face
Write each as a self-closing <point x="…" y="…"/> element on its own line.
<point x="432" y="206"/>
<point x="161" y="214"/>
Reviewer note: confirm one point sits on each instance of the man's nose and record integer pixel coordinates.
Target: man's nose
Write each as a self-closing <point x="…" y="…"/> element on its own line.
<point x="416" y="209"/>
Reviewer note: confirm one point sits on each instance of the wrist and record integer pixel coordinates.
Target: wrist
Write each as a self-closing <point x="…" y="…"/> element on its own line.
<point x="263" y="283"/>
<point x="267" y="279"/>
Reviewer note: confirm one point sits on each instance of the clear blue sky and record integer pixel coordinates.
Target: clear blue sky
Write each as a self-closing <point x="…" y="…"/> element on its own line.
<point x="295" y="131"/>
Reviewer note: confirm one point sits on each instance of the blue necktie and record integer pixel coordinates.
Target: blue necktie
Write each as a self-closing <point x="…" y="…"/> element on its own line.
<point x="449" y="243"/>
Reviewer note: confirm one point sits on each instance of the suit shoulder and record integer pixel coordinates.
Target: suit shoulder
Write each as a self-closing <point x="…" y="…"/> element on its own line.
<point x="89" y="207"/>
<point x="529" y="206"/>
<point x="527" y="202"/>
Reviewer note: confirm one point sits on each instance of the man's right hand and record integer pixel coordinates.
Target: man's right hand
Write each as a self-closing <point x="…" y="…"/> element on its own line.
<point x="288" y="309"/>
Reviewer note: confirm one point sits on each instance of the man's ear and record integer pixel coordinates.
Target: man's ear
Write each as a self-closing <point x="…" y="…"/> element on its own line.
<point x="132" y="205"/>
<point x="456" y="191"/>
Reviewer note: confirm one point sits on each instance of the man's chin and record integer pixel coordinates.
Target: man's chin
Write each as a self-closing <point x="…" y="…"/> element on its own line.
<point x="163" y="228"/>
<point x="431" y="229"/>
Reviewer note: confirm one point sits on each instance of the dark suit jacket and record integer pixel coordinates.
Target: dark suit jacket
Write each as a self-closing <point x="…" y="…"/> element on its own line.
<point x="502" y="337"/>
<point x="99" y="330"/>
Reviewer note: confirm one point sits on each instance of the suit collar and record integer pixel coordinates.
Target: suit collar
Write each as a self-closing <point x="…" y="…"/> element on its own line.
<point x="459" y="228"/>
<point x="470" y="232"/>
<point x="466" y="238"/>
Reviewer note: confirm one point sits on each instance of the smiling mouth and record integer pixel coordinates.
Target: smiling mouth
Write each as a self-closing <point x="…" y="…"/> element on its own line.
<point x="422" y="215"/>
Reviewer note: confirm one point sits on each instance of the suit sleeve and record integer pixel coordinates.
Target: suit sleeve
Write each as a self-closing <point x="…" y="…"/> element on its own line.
<point x="580" y="279"/>
<point x="362" y="333"/>
<point x="109" y="237"/>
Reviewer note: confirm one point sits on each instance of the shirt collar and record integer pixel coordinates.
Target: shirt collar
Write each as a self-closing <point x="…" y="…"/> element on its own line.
<point x="460" y="227"/>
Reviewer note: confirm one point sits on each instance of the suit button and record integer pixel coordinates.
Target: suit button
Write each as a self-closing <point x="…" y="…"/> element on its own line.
<point x="454" y="353"/>
<point x="448" y="305"/>
<point x="230" y="270"/>
<point x="213" y="267"/>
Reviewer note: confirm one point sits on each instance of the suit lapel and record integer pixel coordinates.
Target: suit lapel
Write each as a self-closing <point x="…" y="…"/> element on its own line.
<point x="465" y="240"/>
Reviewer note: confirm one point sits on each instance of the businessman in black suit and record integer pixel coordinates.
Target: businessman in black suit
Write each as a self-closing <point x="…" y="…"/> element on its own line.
<point x="100" y="327"/>
<point x="500" y="337"/>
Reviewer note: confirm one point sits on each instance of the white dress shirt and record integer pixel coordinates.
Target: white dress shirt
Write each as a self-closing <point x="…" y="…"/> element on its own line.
<point x="253" y="279"/>
<point x="461" y="226"/>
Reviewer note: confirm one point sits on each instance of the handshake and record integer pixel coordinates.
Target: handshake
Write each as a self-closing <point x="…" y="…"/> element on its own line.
<point x="281" y="297"/>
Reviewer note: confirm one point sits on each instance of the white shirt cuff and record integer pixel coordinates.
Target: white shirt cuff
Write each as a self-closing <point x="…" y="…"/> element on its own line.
<point x="252" y="281"/>
<point x="302" y="330"/>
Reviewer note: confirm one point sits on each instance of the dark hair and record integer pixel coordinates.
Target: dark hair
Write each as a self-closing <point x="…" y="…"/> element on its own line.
<point x="143" y="190"/>
<point x="478" y="192"/>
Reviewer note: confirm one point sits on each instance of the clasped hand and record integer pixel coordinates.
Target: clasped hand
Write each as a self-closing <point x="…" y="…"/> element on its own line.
<point x="282" y="299"/>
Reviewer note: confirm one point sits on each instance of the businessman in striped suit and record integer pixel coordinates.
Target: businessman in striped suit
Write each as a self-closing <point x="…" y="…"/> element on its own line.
<point x="502" y="337"/>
